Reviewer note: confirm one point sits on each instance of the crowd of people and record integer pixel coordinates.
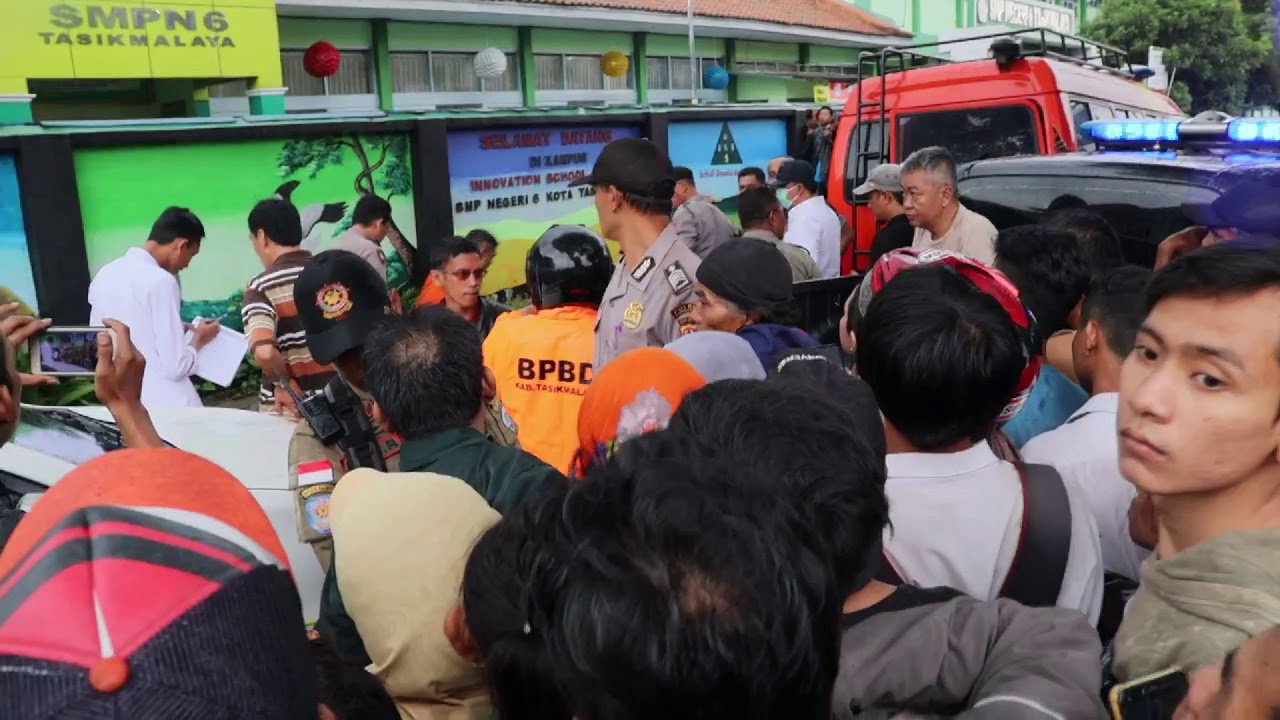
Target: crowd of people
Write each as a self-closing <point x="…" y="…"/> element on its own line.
<point x="1030" y="482"/>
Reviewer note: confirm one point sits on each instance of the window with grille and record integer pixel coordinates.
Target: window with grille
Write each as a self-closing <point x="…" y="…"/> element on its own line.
<point x="577" y="72"/>
<point x="352" y="77"/>
<point x="672" y="73"/>
<point x="422" y="72"/>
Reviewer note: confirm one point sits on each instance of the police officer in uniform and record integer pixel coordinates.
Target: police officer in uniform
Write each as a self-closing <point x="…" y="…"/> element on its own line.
<point x="340" y="300"/>
<point x="650" y="294"/>
<point x="543" y="361"/>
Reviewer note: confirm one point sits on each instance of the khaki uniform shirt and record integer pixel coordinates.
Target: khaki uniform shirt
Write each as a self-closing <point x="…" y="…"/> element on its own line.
<point x="802" y="265"/>
<point x="314" y="470"/>
<point x="353" y="242"/>
<point x="647" y="304"/>
<point x="702" y="225"/>
<point x="970" y="234"/>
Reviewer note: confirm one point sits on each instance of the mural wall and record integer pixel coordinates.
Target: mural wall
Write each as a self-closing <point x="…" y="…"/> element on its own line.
<point x="123" y="190"/>
<point x="716" y="150"/>
<point x="16" y="279"/>
<point x="515" y="184"/>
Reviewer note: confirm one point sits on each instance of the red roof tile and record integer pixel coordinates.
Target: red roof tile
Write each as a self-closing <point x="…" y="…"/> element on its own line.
<point x="835" y="15"/>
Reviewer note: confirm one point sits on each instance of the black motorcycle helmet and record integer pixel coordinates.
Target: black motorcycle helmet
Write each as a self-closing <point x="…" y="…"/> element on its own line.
<point x="568" y="264"/>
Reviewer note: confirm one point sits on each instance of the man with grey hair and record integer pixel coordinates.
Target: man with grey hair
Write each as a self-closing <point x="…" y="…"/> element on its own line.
<point x="933" y="206"/>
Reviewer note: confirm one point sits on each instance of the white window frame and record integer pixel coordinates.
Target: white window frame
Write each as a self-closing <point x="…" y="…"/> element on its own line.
<point x="431" y="100"/>
<point x="562" y="97"/>
<point x="324" y="103"/>
<point x="667" y="96"/>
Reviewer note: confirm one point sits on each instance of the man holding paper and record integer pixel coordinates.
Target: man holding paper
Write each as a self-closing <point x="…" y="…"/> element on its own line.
<point x="141" y="290"/>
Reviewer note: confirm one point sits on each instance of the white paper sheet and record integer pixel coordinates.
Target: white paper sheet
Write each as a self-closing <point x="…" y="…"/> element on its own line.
<point x="218" y="361"/>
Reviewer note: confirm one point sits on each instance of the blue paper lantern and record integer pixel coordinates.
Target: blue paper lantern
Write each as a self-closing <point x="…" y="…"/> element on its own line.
<point x="715" y="78"/>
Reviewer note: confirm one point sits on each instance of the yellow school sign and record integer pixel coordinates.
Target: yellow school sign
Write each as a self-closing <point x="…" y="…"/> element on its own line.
<point x="138" y="39"/>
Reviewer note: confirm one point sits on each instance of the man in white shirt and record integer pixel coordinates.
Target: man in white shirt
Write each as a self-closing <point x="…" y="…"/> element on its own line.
<point x="370" y="223"/>
<point x="141" y="291"/>
<point x="1084" y="450"/>
<point x="811" y="223"/>
<point x="932" y="202"/>
<point x="944" y="359"/>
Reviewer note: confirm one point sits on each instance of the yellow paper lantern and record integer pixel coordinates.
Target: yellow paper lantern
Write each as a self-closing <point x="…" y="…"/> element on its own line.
<point x="614" y="64"/>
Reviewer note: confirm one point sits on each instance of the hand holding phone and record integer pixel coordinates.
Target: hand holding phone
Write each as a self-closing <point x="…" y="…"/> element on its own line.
<point x="70" y="351"/>
<point x="1154" y="697"/>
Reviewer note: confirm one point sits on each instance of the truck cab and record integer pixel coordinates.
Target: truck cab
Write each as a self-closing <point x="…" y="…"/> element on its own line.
<point x="1030" y="98"/>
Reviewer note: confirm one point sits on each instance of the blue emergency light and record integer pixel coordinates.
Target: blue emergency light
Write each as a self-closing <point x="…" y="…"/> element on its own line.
<point x="1133" y="131"/>
<point x="1254" y="130"/>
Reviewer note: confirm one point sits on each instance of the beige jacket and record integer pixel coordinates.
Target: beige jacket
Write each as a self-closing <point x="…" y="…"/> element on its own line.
<point x="802" y="265"/>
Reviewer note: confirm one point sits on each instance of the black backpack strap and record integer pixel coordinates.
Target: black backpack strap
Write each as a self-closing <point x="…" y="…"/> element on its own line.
<point x="1035" y="577"/>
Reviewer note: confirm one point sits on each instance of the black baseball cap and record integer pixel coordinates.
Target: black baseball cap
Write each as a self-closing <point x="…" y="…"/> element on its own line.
<point x="635" y="166"/>
<point x="797" y="171"/>
<point x="1245" y="203"/>
<point x="340" y="300"/>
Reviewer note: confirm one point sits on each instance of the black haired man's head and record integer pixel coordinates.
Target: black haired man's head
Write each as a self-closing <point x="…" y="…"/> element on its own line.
<point x="1097" y="237"/>
<point x="372" y="216"/>
<point x="459" y="267"/>
<point x="760" y="209"/>
<point x="751" y="176"/>
<point x="1050" y="270"/>
<point x="688" y="595"/>
<point x="816" y="445"/>
<point x="347" y="690"/>
<point x="487" y="243"/>
<point x="1110" y="317"/>
<point x="425" y="371"/>
<point x="176" y="236"/>
<point x="942" y="356"/>
<point x="275" y="222"/>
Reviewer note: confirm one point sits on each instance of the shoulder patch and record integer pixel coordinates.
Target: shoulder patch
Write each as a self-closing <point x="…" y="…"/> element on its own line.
<point x="642" y="270"/>
<point x="679" y="312"/>
<point x="677" y="278"/>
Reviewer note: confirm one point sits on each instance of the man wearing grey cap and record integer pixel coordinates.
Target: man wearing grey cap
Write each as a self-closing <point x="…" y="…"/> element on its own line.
<point x="700" y="223"/>
<point x="883" y="193"/>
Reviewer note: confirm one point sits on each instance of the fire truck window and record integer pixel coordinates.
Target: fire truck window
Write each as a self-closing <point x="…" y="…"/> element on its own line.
<point x="973" y="133"/>
<point x="1079" y="116"/>
<point x="1101" y="112"/>
<point x="865" y="153"/>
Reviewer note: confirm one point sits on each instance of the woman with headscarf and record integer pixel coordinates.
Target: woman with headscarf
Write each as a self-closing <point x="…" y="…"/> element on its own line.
<point x="719" y="356"/>
<point x="744" y="287"/>
<point x="636" y="393"/>
<point x="404" y="609"/>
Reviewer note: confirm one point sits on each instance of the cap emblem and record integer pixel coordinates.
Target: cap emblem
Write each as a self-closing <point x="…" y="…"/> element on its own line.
<point x="334" y="301"/>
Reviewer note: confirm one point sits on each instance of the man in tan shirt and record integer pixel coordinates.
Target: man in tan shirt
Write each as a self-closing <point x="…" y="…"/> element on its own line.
<point x="370" y="222"/>
<point x="763" y="218"/>
<point x="933" y="206"/>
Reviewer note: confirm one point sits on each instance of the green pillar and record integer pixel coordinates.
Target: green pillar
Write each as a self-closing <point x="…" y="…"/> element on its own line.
<point x="528" y="77"/>
<point x="806" y="53"/>
<point x="200" y="100"/>
<point x="16" y="109"/>
<point x="382" y="66"/>
<point x="266" y="101"/>
<point x="640" y="61"/>
<point x="962" y="17"/>
<point x="730" y="60"/>
<point x="915" y="16"/>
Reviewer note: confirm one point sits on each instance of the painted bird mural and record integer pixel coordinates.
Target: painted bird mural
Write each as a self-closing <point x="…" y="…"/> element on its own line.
<point x="312" y="215"/>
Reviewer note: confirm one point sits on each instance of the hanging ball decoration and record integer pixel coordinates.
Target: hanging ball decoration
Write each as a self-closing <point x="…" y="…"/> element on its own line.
<point x="490" y="63"/>
<point x="321" y="59"/>
<point x="715" y="78"/>
<point x="614" y="64"/>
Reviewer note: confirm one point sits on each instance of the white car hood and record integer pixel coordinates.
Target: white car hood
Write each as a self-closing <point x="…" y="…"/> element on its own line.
<point x="252" y="446"/>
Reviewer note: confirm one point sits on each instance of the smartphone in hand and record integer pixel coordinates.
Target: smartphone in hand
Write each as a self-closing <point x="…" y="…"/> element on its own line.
<point x="67" y="351"/>
<point x="1154" y="697"/>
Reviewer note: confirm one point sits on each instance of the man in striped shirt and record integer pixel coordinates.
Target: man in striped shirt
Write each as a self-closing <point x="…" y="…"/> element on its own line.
<point x="276" y="336"/>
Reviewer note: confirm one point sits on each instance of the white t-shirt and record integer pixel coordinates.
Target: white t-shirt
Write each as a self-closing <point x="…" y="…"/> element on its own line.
<point x="814" y="226"/>
<point x="970" y="234"/>
<point x="957" y="518"/>
<point x="136" y="291"/>
<point x="1085" y="452"/>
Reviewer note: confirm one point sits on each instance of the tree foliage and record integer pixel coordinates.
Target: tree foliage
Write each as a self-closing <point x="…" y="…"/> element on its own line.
<point x="1217" y="48"/>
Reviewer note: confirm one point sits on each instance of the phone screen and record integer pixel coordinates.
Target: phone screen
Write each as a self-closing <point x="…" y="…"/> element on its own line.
<point x="66" y="351"/>
<point x="1154" y="697"/>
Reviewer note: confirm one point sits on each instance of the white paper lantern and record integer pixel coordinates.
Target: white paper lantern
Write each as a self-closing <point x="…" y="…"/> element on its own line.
<point x="490" y="63"/>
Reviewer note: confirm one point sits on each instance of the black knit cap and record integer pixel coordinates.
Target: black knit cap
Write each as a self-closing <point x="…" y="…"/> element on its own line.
<point x="751" y="274"/>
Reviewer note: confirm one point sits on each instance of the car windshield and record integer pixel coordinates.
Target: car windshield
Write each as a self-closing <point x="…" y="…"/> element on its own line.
<point x="66" y="434"/>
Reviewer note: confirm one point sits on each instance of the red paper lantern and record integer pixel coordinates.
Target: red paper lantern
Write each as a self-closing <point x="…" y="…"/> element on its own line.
<point x="321" y="59"/>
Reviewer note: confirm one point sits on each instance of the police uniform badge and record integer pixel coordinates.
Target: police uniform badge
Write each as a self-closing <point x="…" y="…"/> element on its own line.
<point x="642" y="270"/>
<point x="334" y="301"/>
<point x="315" y="488"/>
<point x="633" y="316"/>
<point x="677" y="278"/>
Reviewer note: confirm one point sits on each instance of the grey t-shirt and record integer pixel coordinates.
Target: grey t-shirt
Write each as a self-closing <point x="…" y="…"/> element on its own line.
<point x="353" y="242"/>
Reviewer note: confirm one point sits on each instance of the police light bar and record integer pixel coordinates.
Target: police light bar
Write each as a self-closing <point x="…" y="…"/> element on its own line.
<point x="1254" y="130"/>
<point x="1143" y="132"/>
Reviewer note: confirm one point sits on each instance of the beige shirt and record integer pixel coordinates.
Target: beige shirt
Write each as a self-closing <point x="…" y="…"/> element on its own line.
<point x="970" y="234"/>
<point x="353" y="242"/>
<point x="802" y="265"/>
<point x="646" y="300"/>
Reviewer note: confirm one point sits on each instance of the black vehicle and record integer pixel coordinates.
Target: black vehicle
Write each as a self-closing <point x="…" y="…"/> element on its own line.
<point x="1148" y="178"/>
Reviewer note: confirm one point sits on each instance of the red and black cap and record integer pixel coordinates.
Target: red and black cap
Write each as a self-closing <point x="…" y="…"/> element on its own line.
<point x="635" y="166"/>
<point x="340" y="300"/>
<point x="150" y="584"/>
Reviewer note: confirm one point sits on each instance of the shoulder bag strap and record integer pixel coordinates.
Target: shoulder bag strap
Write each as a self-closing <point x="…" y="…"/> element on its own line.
<point x="1035" y="577"/>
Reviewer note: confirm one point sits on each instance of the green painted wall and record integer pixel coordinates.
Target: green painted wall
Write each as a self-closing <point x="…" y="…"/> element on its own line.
<point x="828" y="55"/>
<point x="437" y="36"/>
<point x="678" y="46"/>
<point x="299" y="33"/>
<point x="749" y="50"/>
<point x="547" y="40"/>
